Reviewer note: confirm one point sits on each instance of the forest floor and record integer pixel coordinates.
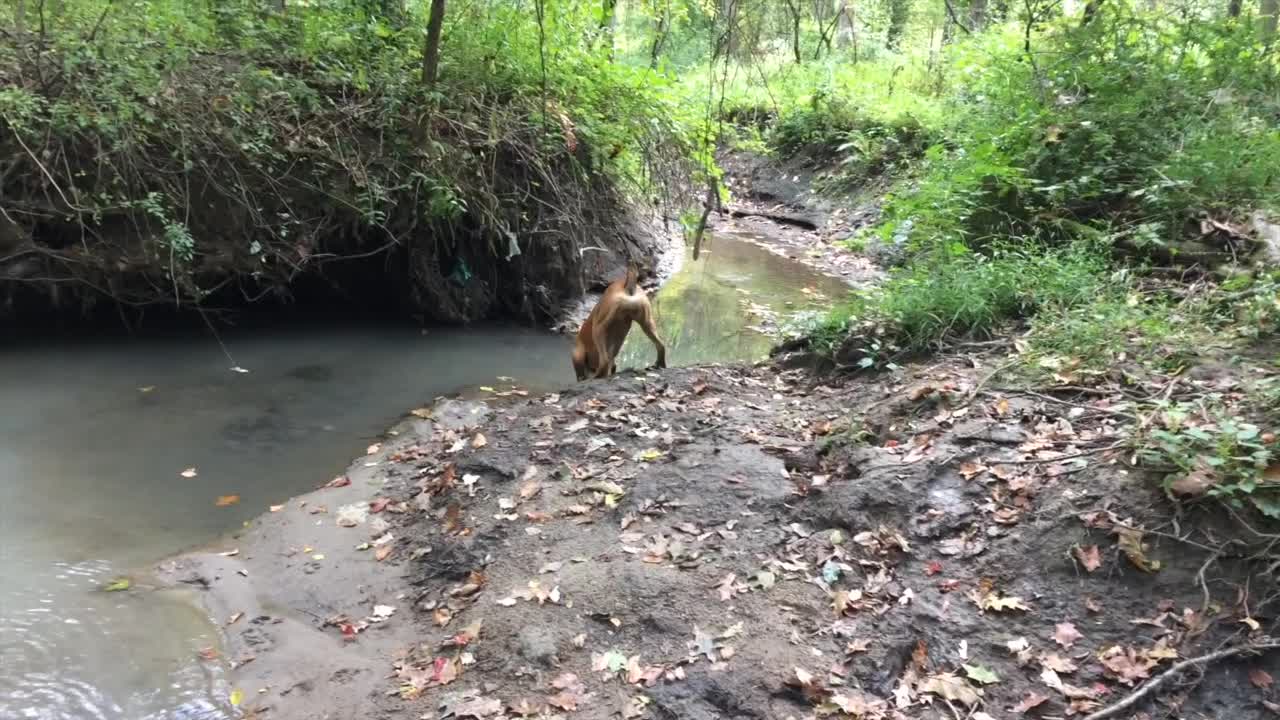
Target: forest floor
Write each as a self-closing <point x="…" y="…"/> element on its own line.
<point x="752" y="542"/>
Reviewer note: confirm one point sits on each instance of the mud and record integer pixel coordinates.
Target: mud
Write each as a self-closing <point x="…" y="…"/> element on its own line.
<point x="743" y="543"/>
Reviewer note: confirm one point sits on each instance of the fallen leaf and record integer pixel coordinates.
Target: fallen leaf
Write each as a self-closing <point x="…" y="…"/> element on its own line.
<point x="225" y="500"/>
<point x="994" y="602"/>
<point x="1260" y="678"/>
<point x="383" y="552"/>
<point x="1066" y="634"/>
<point x="529" y="489"/>
<point x="951" y="687"/>
<point x="424" y="413"/>
<point x="1030" y="701"/>
<point x="478" y="708"/>
<point x="1196" y="482"/>
<point x="1126" y="664"/>
<point x="118" y="585"/>
<point x="237" y="697"/>
<point x="1089" y="557"/>
<point x="981" y="674"/>
<point x="189" y="473"/>
<point x="1057" y="663"/>
<point x="340" y="481"/>
<point x="453" y="518"/>
<point x="1050" y="678"/>
<point x="373" y="449"/>
<point x="276" y="508"/>
<point x="479" y="441"/>
<point x="1130" y="542"/>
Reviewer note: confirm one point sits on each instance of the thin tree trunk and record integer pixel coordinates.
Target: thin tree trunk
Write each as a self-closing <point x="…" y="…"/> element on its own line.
<point x="846" y="34"/>
<point x="431" y="53"/>
<point x="662" y="27"/>
<point x="899" y="14"/>
<point x="608" y="18"/>
<point x="977" y="14"/>
<point x="20" y="16"/>
<point x="1268" y="13"/>
<point x="1233" y="8"/>
<point x="1090" y="9"/>
<point x="794" y="9"/>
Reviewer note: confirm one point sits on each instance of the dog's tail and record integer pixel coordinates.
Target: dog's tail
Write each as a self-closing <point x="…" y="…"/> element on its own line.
<point x="633" y="277"/>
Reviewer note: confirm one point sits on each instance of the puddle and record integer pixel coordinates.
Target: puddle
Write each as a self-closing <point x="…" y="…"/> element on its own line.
<point x="730" y="305"/>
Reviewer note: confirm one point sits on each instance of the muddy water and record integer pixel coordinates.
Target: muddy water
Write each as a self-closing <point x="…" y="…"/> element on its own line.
<point x="94" y="437"/>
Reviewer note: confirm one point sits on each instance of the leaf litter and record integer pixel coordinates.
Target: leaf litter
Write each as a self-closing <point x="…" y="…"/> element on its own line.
<point x="638" y="530"/>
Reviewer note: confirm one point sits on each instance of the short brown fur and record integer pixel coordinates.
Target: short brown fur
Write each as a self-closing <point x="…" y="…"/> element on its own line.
<point x="595" y="351"/>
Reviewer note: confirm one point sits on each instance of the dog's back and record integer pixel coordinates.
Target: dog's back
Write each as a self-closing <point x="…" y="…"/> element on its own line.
<point x="605" y="329"/>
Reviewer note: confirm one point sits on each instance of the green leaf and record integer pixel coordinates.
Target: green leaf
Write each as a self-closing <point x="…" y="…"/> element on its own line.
<point x="118" y="585"/>
<point x="981" y="674"/>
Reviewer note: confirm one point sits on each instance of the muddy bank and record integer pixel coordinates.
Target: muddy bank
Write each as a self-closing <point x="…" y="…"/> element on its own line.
<point x="773" y="204"/>
<point x="743" y="543"/>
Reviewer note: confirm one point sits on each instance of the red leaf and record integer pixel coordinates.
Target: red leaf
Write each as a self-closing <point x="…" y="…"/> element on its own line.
<point x="1260" y="678"/>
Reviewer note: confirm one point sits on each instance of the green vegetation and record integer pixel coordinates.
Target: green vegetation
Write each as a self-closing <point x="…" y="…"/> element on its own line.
<point x="161" y="151"/>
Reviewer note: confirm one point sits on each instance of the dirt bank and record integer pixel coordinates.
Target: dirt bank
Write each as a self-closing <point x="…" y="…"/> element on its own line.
<point x="742" y="543"/>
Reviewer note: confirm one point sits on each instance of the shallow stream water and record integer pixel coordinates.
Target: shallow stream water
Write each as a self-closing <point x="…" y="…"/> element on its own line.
<point x="95" y="436"/>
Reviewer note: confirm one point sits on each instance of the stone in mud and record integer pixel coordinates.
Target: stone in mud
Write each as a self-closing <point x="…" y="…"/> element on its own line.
<point x="538" y="644"/>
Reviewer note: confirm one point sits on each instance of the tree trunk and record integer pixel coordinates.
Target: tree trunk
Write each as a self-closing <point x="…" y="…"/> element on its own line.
<point x="795" y="29"/>
<point x="728" y="15"/>
<point x="20" y="16"/>
<point x="431" y="53"/>
<point x="662" y="27"/>
<point x="608" y="17"/>
<point x="899" y="14"/>
<point x="845" y="31"/>
<point x="1268" y="12"/>
<point x="977" y="14"/>
<point x="1090" y="9"/>
<point x="1233" y="8"/>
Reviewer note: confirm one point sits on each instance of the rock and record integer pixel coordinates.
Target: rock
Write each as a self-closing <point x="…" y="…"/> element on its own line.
<point x="538" y="644"/>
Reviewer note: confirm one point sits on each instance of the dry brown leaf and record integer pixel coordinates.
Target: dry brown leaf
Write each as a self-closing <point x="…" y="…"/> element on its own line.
<point x="1126" y="664"/>
<point x="1066" y="634"/>
<point x="1260" y="678"/>
<point x="383" y="552"/>
<point x="1057" y="663"/>
<point x="1030" y="701"/>
<point x="1090" y="558"/>
<point x="479" y="441"/>
<point x="225" y="500"/>
<point x="1130" y="542"/>
<point x="951" y="687"/>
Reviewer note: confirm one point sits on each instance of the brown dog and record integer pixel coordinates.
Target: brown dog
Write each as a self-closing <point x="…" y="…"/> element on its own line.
<point x="596" y="349"/>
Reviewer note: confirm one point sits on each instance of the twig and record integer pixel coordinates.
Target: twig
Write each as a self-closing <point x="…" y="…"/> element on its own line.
<point x="1050" y="398"/>
<point x="1141" y="693"/>
<point x="1082" y="453"/>
<point x="987" y="378"/>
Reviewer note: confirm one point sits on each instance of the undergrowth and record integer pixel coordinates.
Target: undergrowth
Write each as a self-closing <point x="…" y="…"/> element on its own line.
<point x="161" y="152"/>
<point x="1063" y="167"/>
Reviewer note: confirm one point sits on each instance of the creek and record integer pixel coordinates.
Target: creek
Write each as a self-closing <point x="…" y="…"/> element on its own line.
<point x="95" y="436"/>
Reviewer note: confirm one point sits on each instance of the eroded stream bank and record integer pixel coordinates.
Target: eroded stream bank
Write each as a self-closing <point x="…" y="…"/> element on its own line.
<point x="91" y="475"/>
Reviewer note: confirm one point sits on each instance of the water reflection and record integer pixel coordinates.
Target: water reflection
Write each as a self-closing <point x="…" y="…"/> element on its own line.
<point x="729" y="305"/>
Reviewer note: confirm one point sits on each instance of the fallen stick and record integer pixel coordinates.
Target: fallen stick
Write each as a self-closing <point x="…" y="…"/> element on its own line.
<point x="1141" y="693"/>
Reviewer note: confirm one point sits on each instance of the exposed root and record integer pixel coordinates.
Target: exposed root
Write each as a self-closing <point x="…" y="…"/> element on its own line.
<point x="1147" y="690"/>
